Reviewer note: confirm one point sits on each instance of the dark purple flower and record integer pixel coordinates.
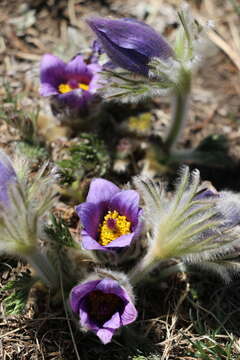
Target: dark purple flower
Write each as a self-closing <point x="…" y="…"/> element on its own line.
<point x="103" y="307"/>
<point x="129" y="43"/>
<point x="110" y="216"/>
<point x="73" y="84"/>
<point x="7" y="176"/>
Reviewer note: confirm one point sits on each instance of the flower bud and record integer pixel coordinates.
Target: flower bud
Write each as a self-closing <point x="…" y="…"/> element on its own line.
<point x="129" y="43"/>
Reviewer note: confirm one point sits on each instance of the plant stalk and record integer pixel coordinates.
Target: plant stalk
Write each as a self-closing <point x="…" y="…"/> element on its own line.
<point x="43" y="268"/>
<point x="180" y="107"/>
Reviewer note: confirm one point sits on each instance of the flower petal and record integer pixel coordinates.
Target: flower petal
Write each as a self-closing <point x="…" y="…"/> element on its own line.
<point x="7" y="177"/>
<point x="122" y="241"/>
<point x="85" y="320"/>
<point x="126" y="203"/>
<point x="114" y="322"/>
<point x="48" y="90"/>
<point x="52" y="71"/>
<point x="78" y="293"/>
<point x="105" y="335"/>
<point x="89" y="243"/>
<point x="76" y="98"/>
<point x="90" y="217"/>
<point x="101" y="191"/>
<point x="78" y="70"/>
<point x="110" y="286"/>
<point x="129" y="314"/>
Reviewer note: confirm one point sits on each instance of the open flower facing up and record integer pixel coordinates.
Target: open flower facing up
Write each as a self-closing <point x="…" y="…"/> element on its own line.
<point x="129" y="43"/>
<point x="103" y="306"/>
<point x="73" y="84"/>
<point x="110" y="216"/>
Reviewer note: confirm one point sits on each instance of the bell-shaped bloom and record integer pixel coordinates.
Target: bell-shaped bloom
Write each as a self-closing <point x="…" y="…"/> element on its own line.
<point x="110" y="217"/>
<point x="7" y="177"/>
<point x="129" y="43"/>
<point x="103" y="306"/>
<point x="73" y="84"/>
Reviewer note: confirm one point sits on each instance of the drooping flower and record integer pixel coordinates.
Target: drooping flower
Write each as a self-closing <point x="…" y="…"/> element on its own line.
<point x="129" y="43"/>
<point x="110" y="216"/>
<point x="7" y="177"/>
<point x="72" y="84"/>
<point x="103" y="306"/>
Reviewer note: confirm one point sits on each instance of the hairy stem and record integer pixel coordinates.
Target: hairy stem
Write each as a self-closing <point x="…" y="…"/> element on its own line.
<point x="180" y="107"/>
<point x="43" y="268"/>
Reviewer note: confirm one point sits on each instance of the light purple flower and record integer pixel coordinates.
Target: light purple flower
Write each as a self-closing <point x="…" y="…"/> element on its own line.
<point x="129" y="43"/>
<point x="73" y="84"/>
<point x="103" y="306"/>
<point x="7" y="176"/>
<point x="110" y="216"/>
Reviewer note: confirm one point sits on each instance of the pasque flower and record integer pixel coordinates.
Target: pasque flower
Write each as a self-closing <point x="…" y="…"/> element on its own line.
<point x="103" y="306"/>
<point x="110" y="216"/>
<point x="129" y="43"/>
<point x="72" y="84"/>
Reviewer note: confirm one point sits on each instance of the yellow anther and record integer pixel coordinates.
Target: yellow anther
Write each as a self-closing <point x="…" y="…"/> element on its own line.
<point x="83" y="86"/>
<point x="109" y="233"/>
<point x="64" y="88"/>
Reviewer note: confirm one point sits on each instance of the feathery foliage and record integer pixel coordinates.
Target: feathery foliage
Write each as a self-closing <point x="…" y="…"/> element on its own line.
<point x="183" y="225"/>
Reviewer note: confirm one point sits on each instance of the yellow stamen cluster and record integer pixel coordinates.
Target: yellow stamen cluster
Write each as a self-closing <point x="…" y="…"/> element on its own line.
<point x="108" y="234"/>
<point x="64" y="88"/>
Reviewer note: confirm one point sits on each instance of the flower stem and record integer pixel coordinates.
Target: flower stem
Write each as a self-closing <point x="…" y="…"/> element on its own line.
<point x="180" y="106"/>
<point x="43" y="268"/>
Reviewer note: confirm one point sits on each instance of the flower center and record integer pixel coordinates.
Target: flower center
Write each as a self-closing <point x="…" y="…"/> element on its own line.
<point x="112" y="227"/>
<point x="64" y="88"/>
<point x="102" y="306"/>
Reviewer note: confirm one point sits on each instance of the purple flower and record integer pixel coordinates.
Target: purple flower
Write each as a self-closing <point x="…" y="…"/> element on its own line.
<point x="129" y="43"/>
<point x="103" y="307"/>
<point x="110" y="216"/>
<point x="73" y="84"/>
<point x="7" y="176"/>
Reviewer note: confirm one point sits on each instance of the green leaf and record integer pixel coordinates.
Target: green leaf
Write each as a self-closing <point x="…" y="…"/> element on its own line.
<point x="60" y="234"/>
<point x="18" y="289"/>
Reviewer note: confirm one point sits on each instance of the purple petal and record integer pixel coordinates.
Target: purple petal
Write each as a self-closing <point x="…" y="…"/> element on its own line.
<point x="110" y="286"/>
<point x="89" y="243"/>
<point x="129" y="314"/>
<point x="138" y="228"/>
<point x="78" y="70"/>
<point x="76" y="98"/>
<point x="105" y="335"/>
<point x="86" y="322"/>
<point x="7" y="177"/>
<point x="114" y="322"/>
<point x="52" y="71"/>
<point x="122" y="241"/>
<point x="101" y="191"/>
<point x="48" y="90"/>
<point x="90" y="217"/>
<point x="206" y="194"/>
<point x="96" y="81"/>
<point x="126" y="202"/>
<point x="79" y="292"/>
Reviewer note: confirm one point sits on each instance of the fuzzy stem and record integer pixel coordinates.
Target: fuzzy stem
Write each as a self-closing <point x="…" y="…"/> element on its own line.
<point x="180" y="106"/>
<point x="43" y="268"/>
